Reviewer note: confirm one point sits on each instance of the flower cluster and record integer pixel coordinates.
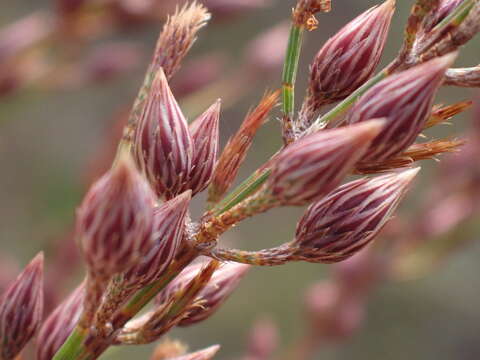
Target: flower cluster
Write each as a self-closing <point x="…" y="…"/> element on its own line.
<point x="134" y="229"/>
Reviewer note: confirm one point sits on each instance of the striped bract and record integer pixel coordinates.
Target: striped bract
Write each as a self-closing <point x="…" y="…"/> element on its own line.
<point x="346" y="220"/>
<point x="115" y="222"/>
<point x="205" y="137"/>
<point x="316" y="164"/>
<point x="21" y="309"/>
<point x="168" y="233"/>
<point x="58" y="326"/>
<point x="405" y="101"/>
<point x="162" y="144"/>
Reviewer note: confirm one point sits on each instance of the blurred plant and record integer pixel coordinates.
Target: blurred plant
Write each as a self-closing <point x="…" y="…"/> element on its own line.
<point x="135" y="233"/>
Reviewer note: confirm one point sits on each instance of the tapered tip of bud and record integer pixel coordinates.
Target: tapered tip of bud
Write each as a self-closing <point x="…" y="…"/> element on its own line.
<point x="37" y="262"/>
<point x="445" y="61"/>
<point x="205" y="354"/>
<point x="389" y="5"/>
<point x="407" y="176"/>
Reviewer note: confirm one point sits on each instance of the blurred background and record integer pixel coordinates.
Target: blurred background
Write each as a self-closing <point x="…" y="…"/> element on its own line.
<point x="64" y="90"/>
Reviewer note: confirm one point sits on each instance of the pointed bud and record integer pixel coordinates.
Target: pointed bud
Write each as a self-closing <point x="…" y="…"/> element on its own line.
<point x="316" y="164"/>
<point x="168" y="349"/>
<point x="205" y="137"/>
<point x="222" y="284"/>
<point x="60" y="324"/>
<point x="21" y="309"/>
<point x="115" y="221"/>
<point x="237" y="147"/>
<point x="169" y="230"/>
<point x="341" y="224"/>
<point x="349" y="58"/>
<point x="162" y="144"/>
<point x="405" y="101"/>
<point x="205" y="354"/>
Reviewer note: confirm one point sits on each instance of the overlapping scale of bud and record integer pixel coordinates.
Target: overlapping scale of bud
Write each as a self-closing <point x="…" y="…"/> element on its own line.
<point x="349" y="218"/>
<point x="347" y="60"/>
<point x="168" y="233"/>
<point x="56" y="328"/>
<point x="115" y="223"/>
<point x="316" y="164"/>
<point x="21" y="309"/>
<point x="205" y="137"/>
<point x="180" y="297"/>
<point x="163" y="147"/>
<point x="223" y="282"/>
<point x="405" y="101"/>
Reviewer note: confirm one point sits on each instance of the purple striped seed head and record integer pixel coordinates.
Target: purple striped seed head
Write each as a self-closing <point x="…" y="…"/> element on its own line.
<point x="58" y="326"/>
<point x="205" y="137"/>
<point x="163" y="146"/>
<point x="205" y="354"/>
<point x="405" y="101"/>
<point x="349" y="58"/>
<point x="316" y="164"/>
<point x="169" y="231"/>
<point x="21" y="309"/>
<point x="342" y="223"/>
<point x="115" y="223"/>
<point x="222" y="284"/>
<point x="180" y="282"/>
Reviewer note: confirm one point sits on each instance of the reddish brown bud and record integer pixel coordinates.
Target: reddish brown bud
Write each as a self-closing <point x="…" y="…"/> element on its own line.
<point x="60" y="324"/>
<point x="222" y="284"/>
<point x="405" y="101"/>
<point x="162" y="144"/>
<point x="205" y="136"/>
<point x="169" y="230"/>
<point x="317" y="163"/>
<point x="349" y="58"/>
<point x="237" y="147"/>
<point x="341" y="224"/>
<point x="21" y="309"/>
<point x="205" y="354"/>
<point x="115" y="221"/>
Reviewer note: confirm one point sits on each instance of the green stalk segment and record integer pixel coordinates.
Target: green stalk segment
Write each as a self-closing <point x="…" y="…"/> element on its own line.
<point x="347" y="103"/>
<point x="73" y="346"/>
<point x="241" y="192"/>
<point x="290" y="68"/>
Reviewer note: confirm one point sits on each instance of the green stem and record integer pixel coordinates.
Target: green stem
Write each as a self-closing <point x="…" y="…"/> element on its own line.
<point x="73" y="346"/>
<point x="455" y="17"/>
<point x="348" y="102"/>
<point x="290" y="68"/>
<point x="241" y="192"/>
